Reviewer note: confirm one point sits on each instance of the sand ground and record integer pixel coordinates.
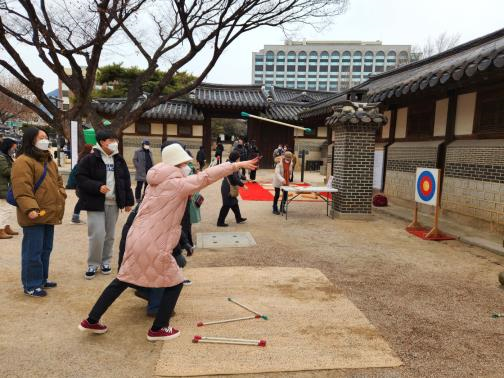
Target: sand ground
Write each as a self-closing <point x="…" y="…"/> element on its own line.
<point x="431" y="301"/>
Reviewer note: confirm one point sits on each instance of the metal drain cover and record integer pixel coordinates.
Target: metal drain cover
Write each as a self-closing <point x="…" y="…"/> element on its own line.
<point x="224" y="239"/>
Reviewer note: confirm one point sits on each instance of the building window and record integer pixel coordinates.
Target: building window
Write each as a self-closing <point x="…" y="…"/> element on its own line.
<point x="302" y="58"/>
<point x="323" y="86"/>
<point x="301" y="76"/>
<point x="258" y="82"/>
<point x="259" y="68"/>
<point x="345" y="59"/>
<point x="280" y="68"/>
<point x="142" y="128"/>
<point x="421" y="119"/>
<point x="269" y="75"/>
<point x="380" y="59"/>
<point x="184" y="130"/>
<point x="291" y="68"/>
<point x="280" y="58"/>
<point x="280" y="83"/>
<point x="323" y="68"/>
<point x="269" y="68"/>
<point x="368" y="68"/>
<point x="291" y="76"/>
<point x="345" y="68"/>
<point x="368" y="58"/>
<point x="291" y="57"/>
<point x="259" y="58"/>
<point x="379" y="69"/>
<point x="270" y="57"/>
<point x="357" y="58"/>
<point x="490" y="112"/>
<point x="324" y="58"/>
<point x="356" y="68"/>
<point x="290" y="84"/>
<point x="334" y="68"/>
<point x="301" y="84"/>
<point x="312" y="69"/>
<point x="301" y="68"/>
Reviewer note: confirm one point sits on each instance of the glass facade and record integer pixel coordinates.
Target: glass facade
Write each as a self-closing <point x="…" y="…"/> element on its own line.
<point x="324" y="70"/>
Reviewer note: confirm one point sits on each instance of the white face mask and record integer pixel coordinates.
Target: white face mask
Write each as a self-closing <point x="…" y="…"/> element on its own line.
<point x="186" y="170"/>
<point x="146" y="147"/>
<point x="43" y="144"/>
<point x="114" y="147"/>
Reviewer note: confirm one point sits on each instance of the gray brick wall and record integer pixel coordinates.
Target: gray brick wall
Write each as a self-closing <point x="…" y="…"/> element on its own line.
<point x="353" y="168"/>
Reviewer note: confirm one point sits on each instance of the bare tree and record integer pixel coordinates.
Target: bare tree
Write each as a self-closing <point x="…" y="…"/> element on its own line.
<point x="442" y="42"/>
<point x="11" y="109"/>
<point x="75" y="32"/>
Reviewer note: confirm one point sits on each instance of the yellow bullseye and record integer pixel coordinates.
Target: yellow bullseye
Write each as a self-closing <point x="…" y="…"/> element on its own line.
<point x="426" y="186"/>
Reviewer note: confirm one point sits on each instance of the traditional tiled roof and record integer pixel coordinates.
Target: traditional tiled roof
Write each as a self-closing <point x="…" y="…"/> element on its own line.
<point x="229" y="96"/>
<point x="174" y="109"/>
<point x="463" y="61"/>
<point x="354" y="113"/>
<point x="297" y="95"/>
<point x="284" y="111"/>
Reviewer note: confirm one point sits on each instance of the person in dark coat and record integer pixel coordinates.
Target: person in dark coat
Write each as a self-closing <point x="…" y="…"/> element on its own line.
<point x="143" y="161"/>
<point x="219" y="149"/>
<point x="229" y="202"/>
<point x="200" y="158"/>
<point x="104" y="186"/>
<point x="72" y="183"/>
<point x="253" y="152"/>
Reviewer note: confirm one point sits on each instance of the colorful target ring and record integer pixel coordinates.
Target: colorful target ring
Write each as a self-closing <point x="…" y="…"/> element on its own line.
<point x="426" y="186"/>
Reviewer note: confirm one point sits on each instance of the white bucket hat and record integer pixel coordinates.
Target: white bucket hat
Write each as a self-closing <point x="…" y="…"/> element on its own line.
<point x="174" y="154"/>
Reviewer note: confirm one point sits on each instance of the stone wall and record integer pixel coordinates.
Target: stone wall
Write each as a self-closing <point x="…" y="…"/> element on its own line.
<point x="474" y="179"/>
<point x="403" y="158"/>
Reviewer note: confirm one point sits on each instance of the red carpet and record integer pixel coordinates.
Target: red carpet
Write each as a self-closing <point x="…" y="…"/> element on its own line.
<point x="420" y="233"/>
<point x="255" y="192"/>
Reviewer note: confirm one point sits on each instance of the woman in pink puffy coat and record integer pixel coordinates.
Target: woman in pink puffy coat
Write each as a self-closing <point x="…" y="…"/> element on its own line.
<point x="148" y="260"/>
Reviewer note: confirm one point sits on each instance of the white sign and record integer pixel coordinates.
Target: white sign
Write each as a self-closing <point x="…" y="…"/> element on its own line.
<point x="74" y="137"/>
<point x="427" y="186"/>
<point x="378" y="169"/>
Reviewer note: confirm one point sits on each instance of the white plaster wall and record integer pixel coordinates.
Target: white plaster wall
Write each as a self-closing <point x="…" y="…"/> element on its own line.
<point x="402" y="118"/>
<point x="386" y="128"/>
<point x="466" y="105"/>
<point x="441" y="117"/>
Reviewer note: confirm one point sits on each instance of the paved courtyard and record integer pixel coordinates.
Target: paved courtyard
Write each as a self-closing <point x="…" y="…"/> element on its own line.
<point x="432" y="302"/>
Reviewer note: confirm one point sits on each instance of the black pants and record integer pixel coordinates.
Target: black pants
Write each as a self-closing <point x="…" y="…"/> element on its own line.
<point x="253" y="175"/>
<point x="224" y="212"/>
<point x="201" y="165"/>
<point x="284" y="199"/>
<point x="78" y="207"/>
<point x="138" y="190"/>
<point x="115" y="289"/>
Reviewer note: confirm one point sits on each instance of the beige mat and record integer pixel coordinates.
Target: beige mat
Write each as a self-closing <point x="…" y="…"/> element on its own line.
<point x="311" y="325"/>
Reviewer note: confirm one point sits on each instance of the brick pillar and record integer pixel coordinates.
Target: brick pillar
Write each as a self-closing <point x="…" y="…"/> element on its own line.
<point x="354" y="129"/>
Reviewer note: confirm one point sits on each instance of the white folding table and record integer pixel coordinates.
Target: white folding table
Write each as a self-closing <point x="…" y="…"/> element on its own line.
<point x="317" y="190"/>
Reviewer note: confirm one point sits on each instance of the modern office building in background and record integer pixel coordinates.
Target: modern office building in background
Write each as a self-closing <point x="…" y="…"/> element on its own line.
<point x="325" y="65"/>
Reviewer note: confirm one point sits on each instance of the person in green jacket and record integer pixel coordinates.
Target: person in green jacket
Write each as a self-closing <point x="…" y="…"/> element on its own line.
<point x="7" y="150"/>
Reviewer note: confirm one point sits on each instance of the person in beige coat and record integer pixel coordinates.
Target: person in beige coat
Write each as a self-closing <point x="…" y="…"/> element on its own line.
<point x="39" y="210"/>
<point x="148" y="260"/>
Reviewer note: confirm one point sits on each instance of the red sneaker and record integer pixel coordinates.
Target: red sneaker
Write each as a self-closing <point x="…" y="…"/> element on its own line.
<point x="164" y="333"/>
<point x="85" y="326"/>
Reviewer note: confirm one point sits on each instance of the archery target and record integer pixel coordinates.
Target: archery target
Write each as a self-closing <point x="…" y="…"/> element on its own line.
<point x="427" y="186"/>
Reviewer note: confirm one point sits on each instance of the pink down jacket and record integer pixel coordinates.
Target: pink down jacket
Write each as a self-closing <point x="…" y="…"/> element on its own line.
<point x="148" y="259"/>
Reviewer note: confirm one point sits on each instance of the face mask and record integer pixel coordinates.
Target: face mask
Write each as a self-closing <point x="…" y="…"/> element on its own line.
<point x="114" y="147"/>
<point x="43" y="144"/>
<point x="186" y="170"/>
<point x="146" y="147"/>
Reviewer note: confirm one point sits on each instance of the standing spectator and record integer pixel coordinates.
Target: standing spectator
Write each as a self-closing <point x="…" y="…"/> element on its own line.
<point x="283" y="171"/>
<point x="7" y="150"/>
<point x="72" y="184"/>
<point x="253" y="152"/>
<point x="219" y="149"/>
<point x="142" y="159"/>
<point x="40" y="196"/>
<point x="243" y="155"/>
<point x="200" y="158"/>
<point x="104" y="186"/>
<point x="228" y="201"/>
<point x="153" y="235"/>
<point x="277" y="153"/>
<point x="294" y="163"/>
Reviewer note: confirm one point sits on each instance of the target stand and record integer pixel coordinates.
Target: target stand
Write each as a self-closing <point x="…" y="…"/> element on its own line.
<point x="427" y="192"/>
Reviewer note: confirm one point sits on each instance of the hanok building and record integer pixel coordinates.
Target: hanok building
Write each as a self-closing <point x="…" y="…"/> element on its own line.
<point x="189" y="120"/>
<point x="446" y="112"/>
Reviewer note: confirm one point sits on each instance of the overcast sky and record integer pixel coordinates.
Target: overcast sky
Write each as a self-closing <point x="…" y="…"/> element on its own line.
<point x="391" y="21"/>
